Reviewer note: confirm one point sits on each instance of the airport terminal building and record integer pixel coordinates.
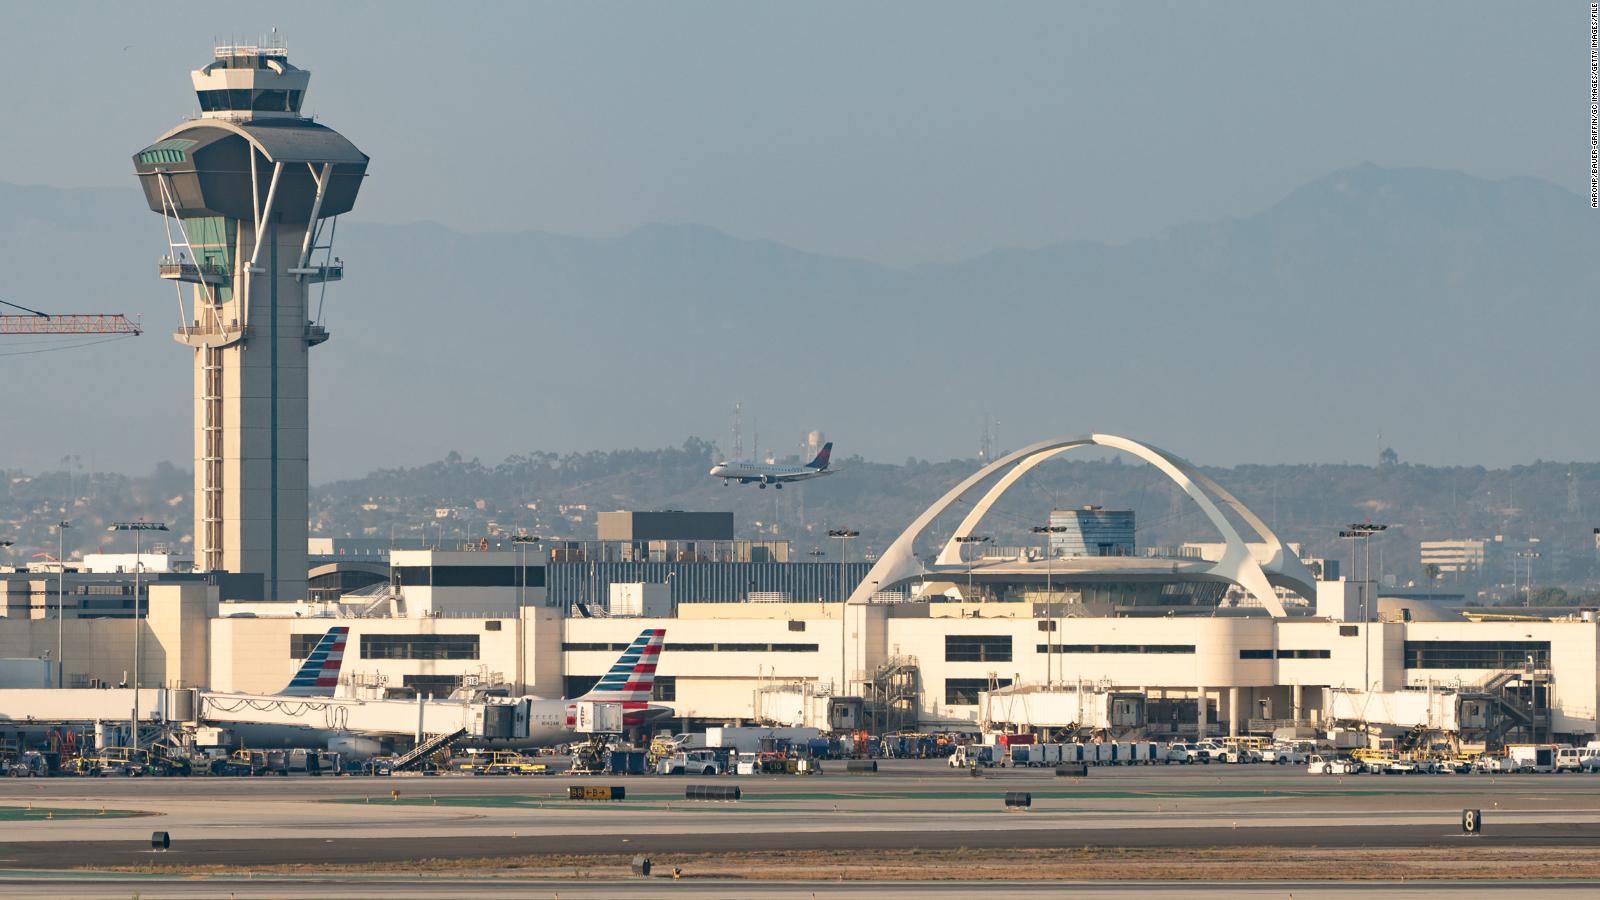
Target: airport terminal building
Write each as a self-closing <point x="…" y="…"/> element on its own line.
<point x="1145" y="643"/>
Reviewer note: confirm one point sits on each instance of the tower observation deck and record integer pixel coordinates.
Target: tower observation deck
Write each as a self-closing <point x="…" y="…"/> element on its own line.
<point x="250" y="193"/>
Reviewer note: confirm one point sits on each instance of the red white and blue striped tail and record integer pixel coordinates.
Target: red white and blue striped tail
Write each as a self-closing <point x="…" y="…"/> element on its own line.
<point x="634" y="674"/>
<point x="319" y="675"/>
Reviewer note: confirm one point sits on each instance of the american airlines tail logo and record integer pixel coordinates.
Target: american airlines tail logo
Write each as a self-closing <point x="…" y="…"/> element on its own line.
<point x="634" y="674"/>
<point x="319" y="674"/>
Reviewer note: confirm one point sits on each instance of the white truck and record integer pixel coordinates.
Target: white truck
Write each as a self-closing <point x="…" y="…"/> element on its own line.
<point x="1183" y="754"/>
<point x="1285" y="755"/>
<point x="1540" y="758"/>
<point x="755" y="739"/>
<point x="691" y="762"/>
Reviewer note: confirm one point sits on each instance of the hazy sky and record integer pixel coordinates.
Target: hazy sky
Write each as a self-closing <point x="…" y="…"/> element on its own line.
<point x="897" y="132"/>
<point x="900" y="132"/>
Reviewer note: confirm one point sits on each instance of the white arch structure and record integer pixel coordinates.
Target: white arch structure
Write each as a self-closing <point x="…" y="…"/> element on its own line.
<point x="899" y="564"/>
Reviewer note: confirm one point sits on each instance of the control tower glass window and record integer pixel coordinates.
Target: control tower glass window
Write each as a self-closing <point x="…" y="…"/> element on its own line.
<point x="247" y="100"/>
<point x="269" y="101"/>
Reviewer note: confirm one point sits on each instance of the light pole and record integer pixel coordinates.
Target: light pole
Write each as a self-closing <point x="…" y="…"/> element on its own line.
<point x="843" y="536"/>
<point x="138" y="529"/>
<point x="1528" y="556"/>
<point x="1049" y="602"/>
<point x="1363" y="532"/>
<point x="964" y="541"/>
<point x="61" y="598"/>
<point x="522" y="541"/>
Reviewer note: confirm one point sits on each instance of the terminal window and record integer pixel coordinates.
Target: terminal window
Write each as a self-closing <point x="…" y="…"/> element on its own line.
<point x="468" y="576"/>
<point x="1477" y="654"/>
<point x="301" y="645"/>
<point x="666" y="688"/>
<point x="432" y="685"/>
<point x="964" y="691"/>
<point x="977" y="648"/>
<point x="578" y="685"/>
<point x="1305" y="654"/>
<point x="419" y="646"/>
<point x="1118" y="648"/>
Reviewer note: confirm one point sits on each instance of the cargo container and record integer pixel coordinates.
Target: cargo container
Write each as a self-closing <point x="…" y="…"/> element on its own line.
<point x="1034" y="755"/>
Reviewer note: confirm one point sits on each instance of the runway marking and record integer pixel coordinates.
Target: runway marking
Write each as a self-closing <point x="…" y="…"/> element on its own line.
<point x="56" y="813"/>
<point x="556" y="802"/>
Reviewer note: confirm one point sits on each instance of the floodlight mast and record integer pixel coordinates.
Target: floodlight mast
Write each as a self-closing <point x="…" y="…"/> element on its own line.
<point x="248" y="193"/>
<point x="844" y="536"/>
<point x="138" y="529"/>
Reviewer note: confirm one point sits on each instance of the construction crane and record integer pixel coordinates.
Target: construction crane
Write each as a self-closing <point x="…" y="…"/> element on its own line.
<point x="36" y="322"/>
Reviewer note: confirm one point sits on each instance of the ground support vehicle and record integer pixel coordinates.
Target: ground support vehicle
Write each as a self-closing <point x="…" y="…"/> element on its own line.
<point x="28" y="764"/>
<point x="251" y="763"/>
<point x="499" y="762"/>
<point x="970" y="756"/>
<point x="1182" y="754"/>
<point x="1332" y="765"/>
<point x="1577" y="759"/>
<point x="693" y="762"/>
<point x="1539" y="758"/>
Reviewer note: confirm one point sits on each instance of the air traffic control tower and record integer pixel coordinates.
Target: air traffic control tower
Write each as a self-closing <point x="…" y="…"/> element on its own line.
<point x="250" y="193"/>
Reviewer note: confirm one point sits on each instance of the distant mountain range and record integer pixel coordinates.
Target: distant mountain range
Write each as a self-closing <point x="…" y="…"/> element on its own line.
<point x="1452" y="314"/>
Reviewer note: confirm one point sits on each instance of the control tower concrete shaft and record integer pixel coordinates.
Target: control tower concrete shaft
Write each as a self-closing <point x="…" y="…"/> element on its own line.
<point x="250" y="192"/>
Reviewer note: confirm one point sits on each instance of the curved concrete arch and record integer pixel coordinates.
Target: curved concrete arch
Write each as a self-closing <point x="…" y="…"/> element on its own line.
<point x="1238" y="564"/>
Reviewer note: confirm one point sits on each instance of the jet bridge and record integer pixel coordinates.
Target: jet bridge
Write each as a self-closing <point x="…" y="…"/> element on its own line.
<point x="486" y="718"/>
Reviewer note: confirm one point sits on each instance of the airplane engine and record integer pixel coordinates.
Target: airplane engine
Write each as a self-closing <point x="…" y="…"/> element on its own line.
<point x="355" y="746"/>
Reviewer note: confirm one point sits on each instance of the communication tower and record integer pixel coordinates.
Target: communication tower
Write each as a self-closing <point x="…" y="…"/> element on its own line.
<point x="250" y="192"/>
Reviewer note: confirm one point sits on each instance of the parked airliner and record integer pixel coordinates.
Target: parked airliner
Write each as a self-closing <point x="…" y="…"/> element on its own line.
<point x="365" y="726"/>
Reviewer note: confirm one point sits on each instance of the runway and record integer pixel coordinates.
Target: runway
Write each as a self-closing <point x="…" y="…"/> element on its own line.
<point x="154" y="888"/>
<point x="292" y="826"/>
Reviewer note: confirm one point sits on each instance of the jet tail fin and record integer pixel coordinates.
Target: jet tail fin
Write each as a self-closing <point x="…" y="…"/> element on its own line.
<point x="319" y="674"/>
<point x="633" y="675"/>
<point x="821" y="462"/>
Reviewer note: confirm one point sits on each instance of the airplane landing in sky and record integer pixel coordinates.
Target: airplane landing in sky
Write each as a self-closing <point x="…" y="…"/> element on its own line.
<point x="747" y="471"/>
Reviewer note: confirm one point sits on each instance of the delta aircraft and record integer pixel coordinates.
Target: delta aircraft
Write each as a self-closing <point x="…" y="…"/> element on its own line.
<point x="747" y="471"/>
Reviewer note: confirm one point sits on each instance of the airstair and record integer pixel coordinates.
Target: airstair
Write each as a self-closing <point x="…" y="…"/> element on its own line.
<point x="892" y="694"/>
<point x="1517" y="694"/>
<point x="427" y="748"/>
